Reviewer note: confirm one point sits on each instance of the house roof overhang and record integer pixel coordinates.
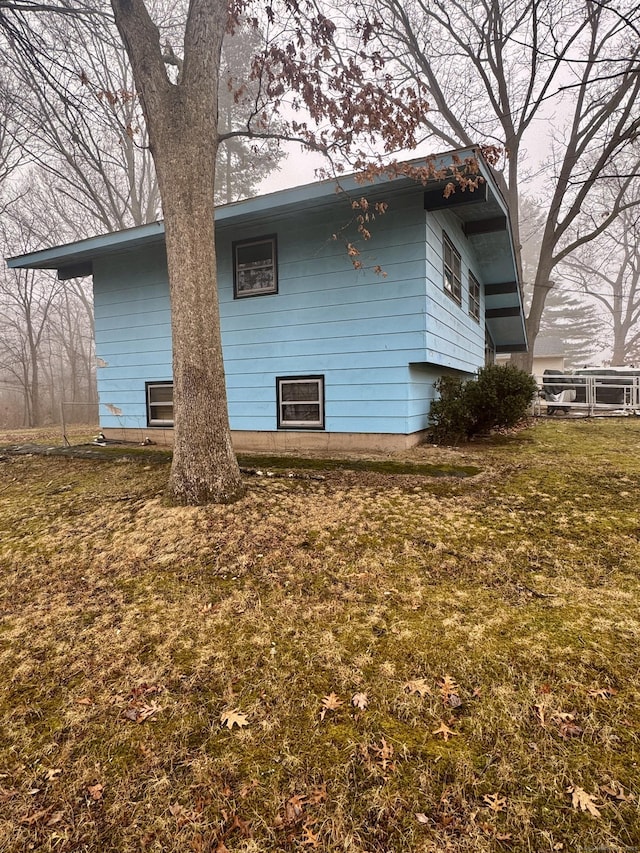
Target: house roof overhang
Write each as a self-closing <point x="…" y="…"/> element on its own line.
<point x="482" y="211"/>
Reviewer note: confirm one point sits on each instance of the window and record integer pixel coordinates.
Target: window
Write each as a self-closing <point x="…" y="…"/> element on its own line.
<point x="452" y="270"/>
<point x="489" y="348"/>
<point x="159" y="403"/>
<point x="255" y="267"/>
<point x="300" y="402"/>
<point x="474" y="297"/>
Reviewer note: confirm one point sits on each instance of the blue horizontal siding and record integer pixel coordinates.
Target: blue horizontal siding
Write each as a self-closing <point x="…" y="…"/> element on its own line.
<point x="454" y="338"/>
<point x="358" y="329"/>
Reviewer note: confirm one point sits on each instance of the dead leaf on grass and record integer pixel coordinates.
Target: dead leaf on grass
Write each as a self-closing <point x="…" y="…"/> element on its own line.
<point x="53" y="773"/>
<point x="580" y="799"/>
<point x="421" y="817"/>
<point x="140" y="713"/>
<point x="419" y="686"/>
<point x="615" y="789"/>
<point x="95" y="791"/>
<point x="318" y="795"/>
<point x="234" y="717"/>
<point x="444" y="730"/>
<point x="541" y="714"/>
<point x="448" y="688"/>
<point x="84" y="700"/>
<point x="294" y="808"/>
<point x="602" y="692"/>
<point x="495" y="802"/>
<point x="330" y="703"/>
<point x="360" y="700"/>
<point x="247" y="788"/>
<point x="309" y="838"/>
<point x="36" y="817"/>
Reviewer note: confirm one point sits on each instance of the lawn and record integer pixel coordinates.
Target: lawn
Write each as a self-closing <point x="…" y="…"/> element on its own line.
<point x="369" y="659"/>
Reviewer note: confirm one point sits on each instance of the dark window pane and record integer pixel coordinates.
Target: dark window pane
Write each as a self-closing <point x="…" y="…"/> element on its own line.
<point x="299" y="391"/>
<point x="306" y="412"/>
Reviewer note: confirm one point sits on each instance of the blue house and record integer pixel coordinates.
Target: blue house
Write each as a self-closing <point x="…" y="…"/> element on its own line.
<point x="317" y="354"/>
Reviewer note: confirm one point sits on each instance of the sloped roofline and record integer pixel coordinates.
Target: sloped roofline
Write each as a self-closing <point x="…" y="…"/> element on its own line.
<point x="315" y="194"/>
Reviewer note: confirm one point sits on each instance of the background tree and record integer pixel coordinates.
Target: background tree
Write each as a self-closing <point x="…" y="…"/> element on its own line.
<point x="608" y="270"/>
<point x="501" y="72"/>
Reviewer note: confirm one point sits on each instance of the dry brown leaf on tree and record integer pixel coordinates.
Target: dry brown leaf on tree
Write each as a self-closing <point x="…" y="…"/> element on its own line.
<point x="330" y="703"/>
<point x="580" y="799"/>
<point x="444" y="730"/>
<point x="234" y="717"/>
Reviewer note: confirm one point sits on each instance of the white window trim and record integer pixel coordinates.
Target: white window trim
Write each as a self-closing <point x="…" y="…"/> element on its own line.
<point x="319" y="401"/>
<point x="264" y="291"/>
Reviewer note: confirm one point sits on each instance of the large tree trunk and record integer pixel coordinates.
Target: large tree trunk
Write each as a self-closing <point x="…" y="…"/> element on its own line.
<point x="182" y="124"/>
<point x="204" y="464"/>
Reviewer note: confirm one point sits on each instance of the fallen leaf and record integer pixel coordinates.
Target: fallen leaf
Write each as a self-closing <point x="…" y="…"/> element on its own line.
<point x="602" y="692"/>
<point x="360" y="700"/>
<point x="36" y="817"/>
<point x="140" y="713"/>
<point x="234" y="718"/>
<point x="495" y="802"/>
<point x="95" y="791"/>
<point x="540" y="713"/>
<point x="580" y="799"/>
<point x="421" y="817"/>
<point x="384" y="754"/>
<point x="330" y="703"/>
<point x="319" y="794"/>
<point x="419" y="686"/>
<point x="448" y="688"/>
<point x="294" y="808"/>
<point x="52" y="773"/>
<point x="84" y="700"/>
<point x="445" y="731"/>
<point x="309" y="838"/>
<point x="616" y="790"/>
<point x="247" y="788"/>
<point x="56" y="817"/>
<point x="570" y="729"/>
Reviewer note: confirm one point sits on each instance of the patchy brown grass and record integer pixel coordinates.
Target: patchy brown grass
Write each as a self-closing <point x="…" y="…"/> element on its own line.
<point x="128" y="629"/>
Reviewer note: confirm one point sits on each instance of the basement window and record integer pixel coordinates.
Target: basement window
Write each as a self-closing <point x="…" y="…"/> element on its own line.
<point x="452" y="269"/>
<point x="255" y="270"/>
<point x="159" y="403"/>
<point x="300" y="402"/>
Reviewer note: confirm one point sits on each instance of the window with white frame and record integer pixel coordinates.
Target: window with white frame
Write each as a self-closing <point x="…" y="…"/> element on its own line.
<point x="474" y="297"/>
<point x="300" y="402"/>
<point x="255" y="267"/>
<point x="452" y="269"/>
<point x="159" y="403"/>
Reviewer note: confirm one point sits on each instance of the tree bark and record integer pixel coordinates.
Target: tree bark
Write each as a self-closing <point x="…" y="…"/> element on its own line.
<point x="182" y="124"/>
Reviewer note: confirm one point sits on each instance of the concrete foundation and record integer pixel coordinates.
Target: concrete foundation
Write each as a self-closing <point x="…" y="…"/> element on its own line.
<point x="286" y="441"/>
